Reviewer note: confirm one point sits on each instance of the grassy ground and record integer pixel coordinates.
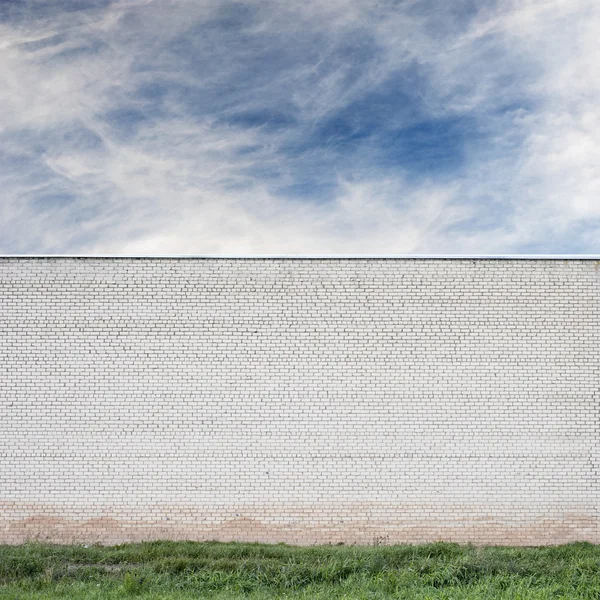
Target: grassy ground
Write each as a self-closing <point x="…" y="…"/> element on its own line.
<point x="183" y="570"/>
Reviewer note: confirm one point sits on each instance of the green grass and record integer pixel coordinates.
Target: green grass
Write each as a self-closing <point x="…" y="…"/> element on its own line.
<point x="183" y="570"/>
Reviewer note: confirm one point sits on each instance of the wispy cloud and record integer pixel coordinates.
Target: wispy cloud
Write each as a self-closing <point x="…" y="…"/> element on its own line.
<point x="346" y="126"/>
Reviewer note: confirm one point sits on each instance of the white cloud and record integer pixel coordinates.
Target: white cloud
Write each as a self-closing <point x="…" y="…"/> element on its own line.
<point x="187" y="181"/>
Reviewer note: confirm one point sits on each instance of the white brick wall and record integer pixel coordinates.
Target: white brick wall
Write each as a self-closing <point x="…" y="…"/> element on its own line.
<point x="305" y="401"/>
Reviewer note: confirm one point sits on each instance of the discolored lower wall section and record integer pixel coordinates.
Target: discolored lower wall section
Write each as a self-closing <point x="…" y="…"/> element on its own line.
<point x="307" y="401"/>
<point x="348" y="524"/>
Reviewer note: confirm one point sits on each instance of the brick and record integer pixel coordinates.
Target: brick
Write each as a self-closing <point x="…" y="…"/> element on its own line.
<point x="299" y="400"/>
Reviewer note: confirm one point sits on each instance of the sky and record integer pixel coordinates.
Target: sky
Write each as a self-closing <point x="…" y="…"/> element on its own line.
<point x="300" y="127"/>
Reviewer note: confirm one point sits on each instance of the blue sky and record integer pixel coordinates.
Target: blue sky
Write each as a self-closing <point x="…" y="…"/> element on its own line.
<point x="344" y="126"/>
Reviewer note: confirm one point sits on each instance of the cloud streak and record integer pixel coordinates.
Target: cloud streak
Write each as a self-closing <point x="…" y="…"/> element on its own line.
<point x="266" y="127"/>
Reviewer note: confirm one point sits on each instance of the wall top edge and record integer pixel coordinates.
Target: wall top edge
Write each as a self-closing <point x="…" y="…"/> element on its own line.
<point x="315" y="256"/>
